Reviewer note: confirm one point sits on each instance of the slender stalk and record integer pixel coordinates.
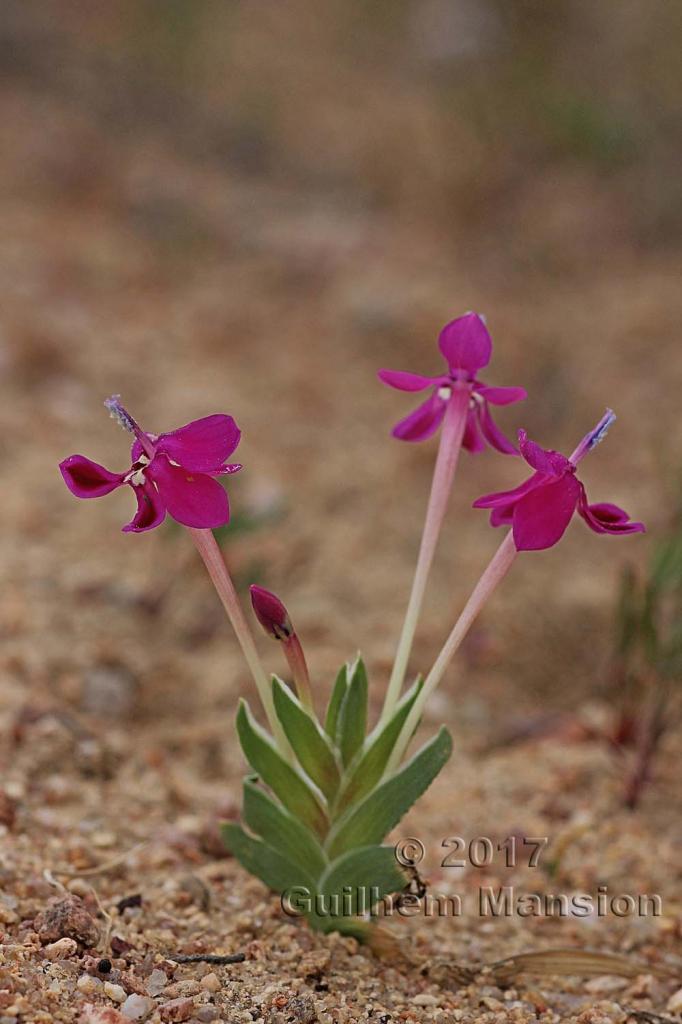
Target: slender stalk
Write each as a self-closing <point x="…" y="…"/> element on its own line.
<point x="211" y="554"/>
<point x="497" y="569"/>
<point x="444" y="471"/>
<point x="299" y="670"/>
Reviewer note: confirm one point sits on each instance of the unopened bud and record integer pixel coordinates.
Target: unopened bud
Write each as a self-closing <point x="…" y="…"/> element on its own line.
<point x="271" y="613"/>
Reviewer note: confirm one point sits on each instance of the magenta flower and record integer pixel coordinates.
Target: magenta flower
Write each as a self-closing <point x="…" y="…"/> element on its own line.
<point x="170" y="473"/>
<point x="540" y="509"/>
<point x="467" y="347"/>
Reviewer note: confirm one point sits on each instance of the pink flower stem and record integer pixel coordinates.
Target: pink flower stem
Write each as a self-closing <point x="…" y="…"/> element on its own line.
<point x="497" y="569"/>
<point x="299" y="670"/>
<point x="211" y="554"/>
<point x="451" y="436"/>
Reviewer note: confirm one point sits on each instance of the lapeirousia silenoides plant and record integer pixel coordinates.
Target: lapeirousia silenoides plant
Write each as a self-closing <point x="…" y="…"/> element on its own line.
<point x="325" y="792"/>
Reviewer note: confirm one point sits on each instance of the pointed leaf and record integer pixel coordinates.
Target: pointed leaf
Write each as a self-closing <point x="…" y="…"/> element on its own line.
<point x="287" y="783"/>
<point x="309" y="743"/>
<point x="281" y="830"/>
<point x="369" y="766"/>
<point x="352" y="885"/>
<point x="352" y="723"/>
<point x="260" y="860"/>
<point x="368" y="822"/>
<point x="367" y="874"/>
<point x="335" y="701"/>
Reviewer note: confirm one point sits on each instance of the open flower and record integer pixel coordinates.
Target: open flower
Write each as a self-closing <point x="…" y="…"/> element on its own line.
<point x="466" y="345"/>
<point x="171" y="473"/>
<point x="540" y="509"/>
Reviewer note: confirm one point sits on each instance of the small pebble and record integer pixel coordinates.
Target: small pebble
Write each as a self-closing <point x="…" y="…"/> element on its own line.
<point x="116" y="993"/>
<point x="156" y="982"/>
<point x="207" y="1014"/>
<point x="138" y="1007"/>
<point x="301" y="1009"/>
<point x="491" y="1003"/>
<point x="176" y="1010"/>
<point x="67" y="916"/>
<point x="101" y="1015"/>
<point x="187" y="987"/>
<point x="211" y="983"/>
<point x="90" y="985"/>
<point x="424" y="999"/>
<point x="61" y="949"/>
<point x="7" y="915"/>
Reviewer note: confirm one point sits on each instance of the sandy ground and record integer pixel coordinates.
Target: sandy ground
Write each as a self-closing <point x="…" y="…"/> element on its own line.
<point x="130" y="265"/>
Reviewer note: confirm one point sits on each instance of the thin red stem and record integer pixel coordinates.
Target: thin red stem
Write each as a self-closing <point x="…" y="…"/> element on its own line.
<point x="299" y="670"/>
<point x="443" y="475"/>
<point x="211" y="554"/>
<point x="497" y="569"/>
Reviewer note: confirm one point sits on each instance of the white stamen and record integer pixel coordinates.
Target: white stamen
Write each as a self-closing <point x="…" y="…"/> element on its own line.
<point x="444" y="392"/>
<point x="137" y="477"/>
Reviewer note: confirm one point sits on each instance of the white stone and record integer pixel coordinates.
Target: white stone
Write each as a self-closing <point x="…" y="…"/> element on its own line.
<point x="89" y="985"/>
<point x="156" y="982"/>
<point x="61" y="949"/>
<point x="137" y="1007"/>
<point x="115" y="992"/>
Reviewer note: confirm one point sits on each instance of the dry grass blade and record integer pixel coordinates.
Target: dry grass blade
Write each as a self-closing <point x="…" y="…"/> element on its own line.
<point x="99" y="869"/>
<point x="571" y="961"/>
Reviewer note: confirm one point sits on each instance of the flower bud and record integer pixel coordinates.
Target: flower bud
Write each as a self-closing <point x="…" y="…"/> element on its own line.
<point x="271" y="613"/>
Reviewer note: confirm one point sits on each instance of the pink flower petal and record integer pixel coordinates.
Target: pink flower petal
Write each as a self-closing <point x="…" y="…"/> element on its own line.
<point x="607" y="518"/>
<point x="151" y="510"/>
<point x="227" y="470"/>
<point x="466" y="343"/>
<point x="87" y="479"/>
<point x="203" y="445"/>
<point x="137" y="450"/>
<point x="502" y="516"/>
<point x="492" y="432"/>
<point x="405" y="381"/>
<point x="502" y="499"/>
<point x="544" y="460"/>
<point x="541" y="517"/>
<point x="423" y="422"/>
<point x="194" y="499"/>
<point x="472" y="440"/>
<point x="501" y="396"/>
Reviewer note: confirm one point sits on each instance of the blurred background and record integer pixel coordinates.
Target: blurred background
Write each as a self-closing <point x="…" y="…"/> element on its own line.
<point x="251" y="207"/>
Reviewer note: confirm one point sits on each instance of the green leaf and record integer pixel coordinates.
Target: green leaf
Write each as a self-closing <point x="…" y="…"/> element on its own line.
<point x="666" y="564"/>
<point x="368" y="822"/>
<point x="361" y="877"/>
<point x="286" y="782"/>
<point x="335" y="701"/>
<point x="352" y="886"/>
<point x="352" y="723"/>
<point x="628" y="612"/>
<point x="261" y="860"/>
<point x="281" y="831"/>
<point x="366" y="772"/>
<point x="309" y="743"/>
